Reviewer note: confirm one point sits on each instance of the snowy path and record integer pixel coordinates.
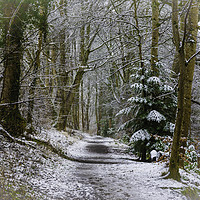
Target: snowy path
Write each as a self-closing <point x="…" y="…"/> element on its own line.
<point x="106" y="173"/>
<point x="102" y="171"/>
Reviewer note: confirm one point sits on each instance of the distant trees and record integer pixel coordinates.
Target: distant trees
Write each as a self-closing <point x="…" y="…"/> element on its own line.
<point x="78" y="63"/>
<point x="86" y="34"/>
<point x="41" y="25"/>
<point x="106" y="37"/>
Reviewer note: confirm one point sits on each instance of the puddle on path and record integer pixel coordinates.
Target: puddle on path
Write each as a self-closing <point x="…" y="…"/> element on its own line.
<point x="97" y="148"/>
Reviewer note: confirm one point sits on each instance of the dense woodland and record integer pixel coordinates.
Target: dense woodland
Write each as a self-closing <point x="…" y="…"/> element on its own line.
<point x="119" y="68"/>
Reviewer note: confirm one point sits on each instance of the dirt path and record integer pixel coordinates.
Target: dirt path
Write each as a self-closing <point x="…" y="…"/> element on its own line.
<point x="107" y="172"/>
<point x="101" y="170"/>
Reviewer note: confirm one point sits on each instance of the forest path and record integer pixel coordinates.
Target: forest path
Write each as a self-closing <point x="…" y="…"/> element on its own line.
<point x="105" y="171"/>
<point x="98" y="158"/>
<point x="100" y="150"/>
<point x="100" y="170"/>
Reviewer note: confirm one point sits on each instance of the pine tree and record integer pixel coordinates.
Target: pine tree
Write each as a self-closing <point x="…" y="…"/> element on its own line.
<point x="159" y="114"/>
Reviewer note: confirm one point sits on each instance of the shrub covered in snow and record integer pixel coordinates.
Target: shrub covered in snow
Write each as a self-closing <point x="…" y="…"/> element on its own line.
<point x="169" y="127"/>
<point x="190" y="157"/>
<point x="138" y="143"/>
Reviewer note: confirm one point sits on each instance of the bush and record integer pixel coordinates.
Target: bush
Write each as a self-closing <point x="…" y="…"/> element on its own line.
<point x="190" y="158"/>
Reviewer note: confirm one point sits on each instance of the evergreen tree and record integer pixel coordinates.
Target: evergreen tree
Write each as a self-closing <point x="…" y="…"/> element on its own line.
<point x="152" y="114"/>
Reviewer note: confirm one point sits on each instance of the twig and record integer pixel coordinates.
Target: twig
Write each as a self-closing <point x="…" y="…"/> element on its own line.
<point x="187" y="62"/>
<point x="185" y="24"/>
<point x="25" y="101"/>
<point x="14" y="15"/>
<point x="196" y="102"/>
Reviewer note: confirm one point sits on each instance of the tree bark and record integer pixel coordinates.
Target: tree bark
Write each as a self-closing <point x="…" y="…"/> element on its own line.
<point x="174" y="158"/>
<point x="190" y="50"/>
<point x="10" y="116"/>
<point x="188" y="47"/>
<point x="155" y="37"/>
<point x="87" y="118"/>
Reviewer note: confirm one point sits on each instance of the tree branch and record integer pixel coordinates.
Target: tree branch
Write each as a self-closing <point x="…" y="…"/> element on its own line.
<point x="196" y="102"/>
<point x="185" y="25"/>
<point x="25" y="101"/>
<point x="14" y="15"/>
<point x="188" y="61"/>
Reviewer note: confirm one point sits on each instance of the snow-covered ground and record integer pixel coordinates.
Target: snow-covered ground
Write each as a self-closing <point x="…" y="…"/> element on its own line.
<point x="38" y="173"/>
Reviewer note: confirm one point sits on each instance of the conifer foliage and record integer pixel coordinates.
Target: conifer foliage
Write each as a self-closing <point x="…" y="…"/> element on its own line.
<point x="152" y="107"/>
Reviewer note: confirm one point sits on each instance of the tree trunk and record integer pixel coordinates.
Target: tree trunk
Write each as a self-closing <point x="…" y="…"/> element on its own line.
<point x="190" y="50"/>
<point x="175" y="66"/>
<point x="87" y="118"/>
<point x="155" y="37"/>
<point x="174" y="158"/>
<point x="75" y="111"/>
<point x="185" y="80"/>
<point x="139" y="37"/>
<point x="198" y="161"/>
<point x="144" y="152"/>
<point x="10" y="116"/>
<point x="97" y="109"/>
<point x="69" y="99"/>
<point x="82" y="108"/>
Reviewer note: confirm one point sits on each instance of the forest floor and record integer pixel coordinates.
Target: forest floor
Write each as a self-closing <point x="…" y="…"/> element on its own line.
<point x="84" y="167"/>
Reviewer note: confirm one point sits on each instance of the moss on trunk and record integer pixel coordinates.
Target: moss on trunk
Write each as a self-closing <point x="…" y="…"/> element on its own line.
<point x="12" y="120"/>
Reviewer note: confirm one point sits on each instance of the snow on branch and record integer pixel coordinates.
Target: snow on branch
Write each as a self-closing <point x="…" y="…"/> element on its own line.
<point x="167" y="88"/>
<point x="154" y="80"/>
<point x="187" y="62"/>
<point x="170" y="127"/>
<point x="142" y="134"/>
<point x="155" y="116"/>
<point x="137" y="100"/>
<point x="137" y="86"/>
<point x="124" y="111"/>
